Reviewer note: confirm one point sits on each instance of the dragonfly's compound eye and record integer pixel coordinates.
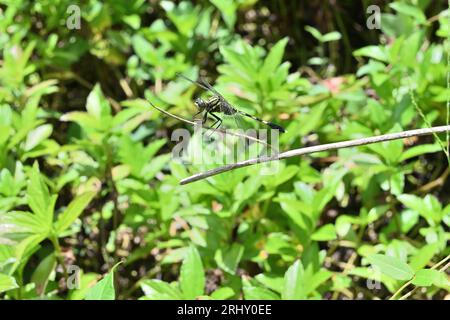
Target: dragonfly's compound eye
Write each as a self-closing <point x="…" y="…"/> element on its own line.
<point x="200" y="103"/>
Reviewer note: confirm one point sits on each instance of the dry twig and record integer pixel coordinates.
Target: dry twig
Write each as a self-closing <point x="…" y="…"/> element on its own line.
<point x="315" y="149"/>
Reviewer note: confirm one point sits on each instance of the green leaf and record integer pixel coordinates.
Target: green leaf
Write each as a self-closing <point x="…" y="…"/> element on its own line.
<point x="426" y="277"/>
<point x="391" y="266"/>
<point x="192" y="276"/>
<point x="144" y="49"/>
<point x="229" y="259"/>
<point x="325" y="233"/>
<point x="97" y="105"/>
<point x="36" y="136"/>
<point x="397" y="183"/>
<point x="419" y="150"/>
<point x="104" y="289"/>
<point x="258" y="293"/>
<point x="22" y="222"/>
<point x="314" y="32"/>
<point x="370" y="273"/>
<point x="312" y="120"/>
<point x="39" y="198"/>
<point x="239" y="61"/>
<point x="373" y="52"/>
<point x="160" y="290"/>
<point x="332" y="36"/>
<point x="391" y="151"/>
<point x="7" y="283"/>
<point x="84" y="119"/>
<point x="272" y="282"/>
<point x="411" y="201"/>
<point x="85" y="282"/>
<point x="317" y="279"/>
<point x="409" y="10"/>
<point x="428" y="207"/>
<point x="228" y="10"/>
<point x="294" y="282"/>
<point x="222" y="293"/>
<point x="296" y="210"/>
<point x="73" y="211"/>
<point x="446" y="215"/>
<point x="184" y="16"/>
<point x="133" y="20"/>
<point x="42" y="273"/>
<point x="274" y="58"/>
<point x="344" y="223"/>
<point x="421" y="258"/>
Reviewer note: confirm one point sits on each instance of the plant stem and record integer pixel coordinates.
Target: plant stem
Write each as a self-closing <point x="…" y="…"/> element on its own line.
<point x="59" y="255"/>
<point x="400" y="290"/>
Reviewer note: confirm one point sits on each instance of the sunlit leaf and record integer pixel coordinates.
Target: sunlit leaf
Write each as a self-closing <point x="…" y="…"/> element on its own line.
<point x="391" y="266"/>
<point x="192" y="277"/>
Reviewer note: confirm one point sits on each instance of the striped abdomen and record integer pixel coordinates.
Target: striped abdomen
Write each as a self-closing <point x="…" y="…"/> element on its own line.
<point x="270" y="124"/>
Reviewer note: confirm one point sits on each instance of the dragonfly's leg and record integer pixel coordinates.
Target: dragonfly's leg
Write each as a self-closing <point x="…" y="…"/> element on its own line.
<point x="205" y="117"/>
<point x="216" y="117"/>
<point x="218" y="120"/>
<point x="197" y="115"/>
<point x="214" y="129"/>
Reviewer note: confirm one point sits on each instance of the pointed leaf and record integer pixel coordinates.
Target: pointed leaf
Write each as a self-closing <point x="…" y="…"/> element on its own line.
<point x="332" y="36"/>
<point x="258" y="293"/>
<point x="274" y="58"/>
<point x="7" y="283"/>
<point x="36" y="136"/>
<point x="426" y="277"/>
<point x="229" y="259"/>
<point x="104" y="289"/>
<point x="160" y="290"/>
<point x="42" y="273"/>
<point x="391" y="266"/>
<point x="192" y="276"/>
<point x="294" y="282"/>
<point x="39" y="199"/>
<point x="421" y="258"/>
<point x="325" y="233"/>
<point x="97" y="105"/>
<point x="73" y="211"/>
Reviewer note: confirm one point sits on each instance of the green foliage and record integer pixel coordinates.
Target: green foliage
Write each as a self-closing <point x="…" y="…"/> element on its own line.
<point x="192" y="278"/>
<point x="7" y="282"/>
<point x="104" y="289"/>
<point x="392" y="267"/>
<point x="87" y="176"/>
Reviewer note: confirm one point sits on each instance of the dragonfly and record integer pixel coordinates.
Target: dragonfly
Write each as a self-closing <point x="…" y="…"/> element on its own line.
<point x="218" y="104"/>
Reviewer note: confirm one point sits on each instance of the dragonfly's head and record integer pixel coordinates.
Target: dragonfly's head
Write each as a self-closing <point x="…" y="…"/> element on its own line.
<point x="201" y="104"/>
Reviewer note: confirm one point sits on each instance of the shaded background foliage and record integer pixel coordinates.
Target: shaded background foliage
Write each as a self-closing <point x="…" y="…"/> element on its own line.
<point x="87" y="177"/>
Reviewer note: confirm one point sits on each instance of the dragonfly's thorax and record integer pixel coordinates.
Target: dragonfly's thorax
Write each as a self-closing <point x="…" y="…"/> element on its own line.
<point x="216" y="104"/>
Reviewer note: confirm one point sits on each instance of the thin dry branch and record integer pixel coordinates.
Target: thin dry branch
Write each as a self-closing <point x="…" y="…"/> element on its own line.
<point x="229" y="132"/>
<point x="314" y="149"/>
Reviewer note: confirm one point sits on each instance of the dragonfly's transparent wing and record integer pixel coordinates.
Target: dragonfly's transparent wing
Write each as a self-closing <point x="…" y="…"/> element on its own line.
<point x="238" y="120"/>
<point x="211" y="88"/>
<point x="198" y="83"/>
<point x="202" y="83"/>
